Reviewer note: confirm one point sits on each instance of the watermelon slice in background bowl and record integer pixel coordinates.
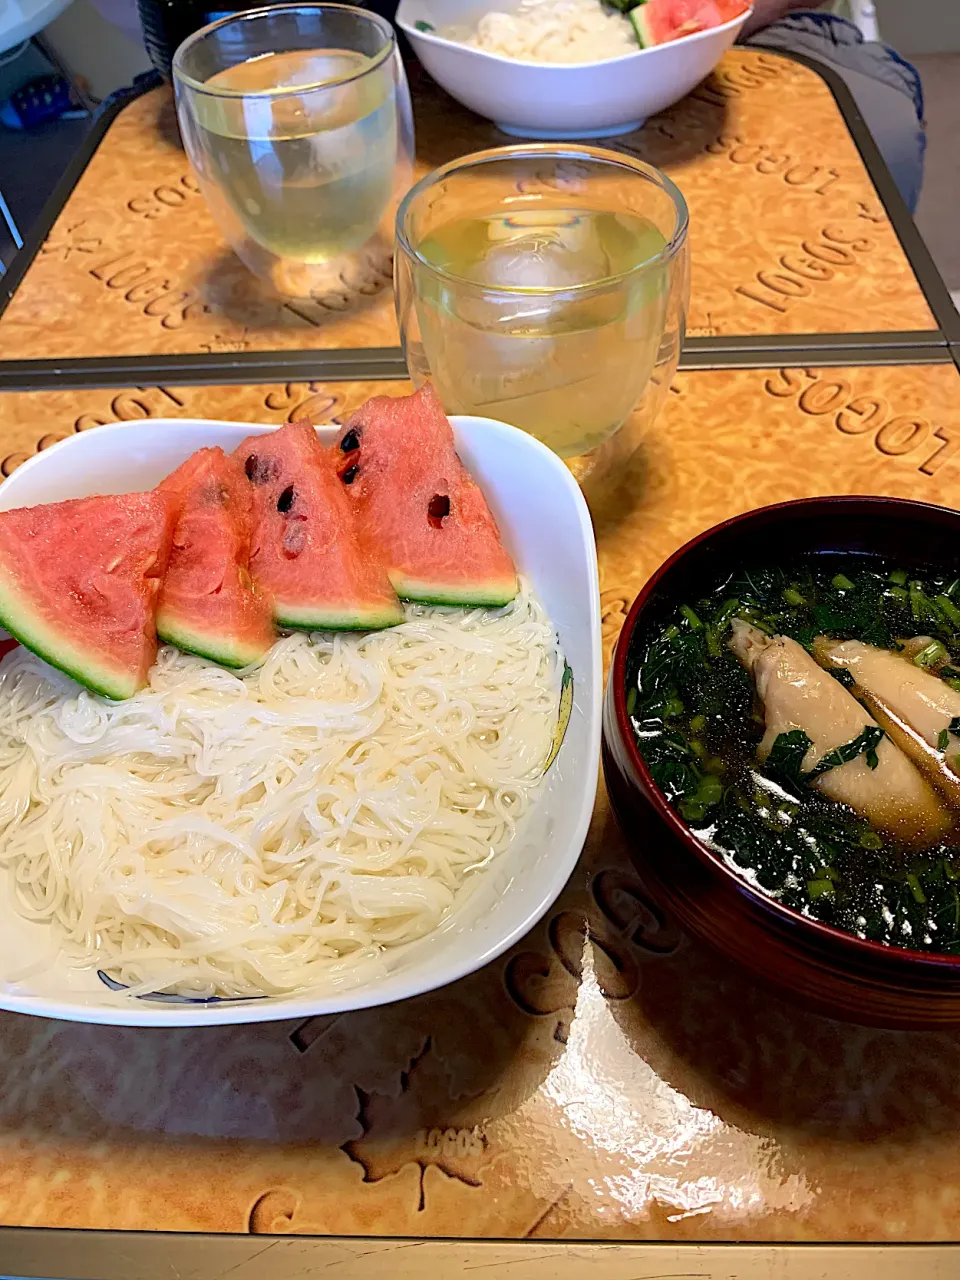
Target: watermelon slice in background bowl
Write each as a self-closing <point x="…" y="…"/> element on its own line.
<point x="546" y="529"/>
<point x="659" y="21"/>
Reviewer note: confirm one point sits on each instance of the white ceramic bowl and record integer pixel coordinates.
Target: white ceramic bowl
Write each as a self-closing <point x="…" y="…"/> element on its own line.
<point x="560" y="100"/>
<point x="547" y="528"/>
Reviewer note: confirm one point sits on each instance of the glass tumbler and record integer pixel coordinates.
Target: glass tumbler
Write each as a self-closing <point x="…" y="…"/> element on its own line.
<point x="297" y="121"/>
<point x="546" y="285"/>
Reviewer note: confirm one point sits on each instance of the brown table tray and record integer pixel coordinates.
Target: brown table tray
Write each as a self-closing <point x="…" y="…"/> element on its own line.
<point x="799" y="239"/>
<point x="607" y="1080"/>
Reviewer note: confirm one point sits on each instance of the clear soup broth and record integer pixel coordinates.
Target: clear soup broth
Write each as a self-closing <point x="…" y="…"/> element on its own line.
<point x="804" y="722"/>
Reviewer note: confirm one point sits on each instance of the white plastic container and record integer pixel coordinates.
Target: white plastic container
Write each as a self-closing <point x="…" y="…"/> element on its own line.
<point x="560" y="100"/>
<point x="546" y="526"/>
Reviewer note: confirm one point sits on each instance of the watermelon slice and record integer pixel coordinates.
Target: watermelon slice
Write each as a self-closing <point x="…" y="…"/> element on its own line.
<point x="730" y="9"/>
<point x="658" y="21"/>
<point x="308" y="553"/>
<point x="208" y="602"/>
<point x="420" y="506"/>
<point x="79" y="583"/>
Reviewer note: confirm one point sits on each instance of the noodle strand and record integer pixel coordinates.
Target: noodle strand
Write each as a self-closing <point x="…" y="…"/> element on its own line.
<point x="260" y="832"/>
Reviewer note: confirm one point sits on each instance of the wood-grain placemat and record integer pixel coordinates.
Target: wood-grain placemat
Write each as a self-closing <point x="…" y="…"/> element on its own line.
<point x="632" y="1087"/>
<point x="788" y="235"/>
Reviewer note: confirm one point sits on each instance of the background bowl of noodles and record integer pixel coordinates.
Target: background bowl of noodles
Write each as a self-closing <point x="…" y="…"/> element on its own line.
<point x="598" y="97"/>
<point x="828" y="969"/>
<point x="546" y="526"/>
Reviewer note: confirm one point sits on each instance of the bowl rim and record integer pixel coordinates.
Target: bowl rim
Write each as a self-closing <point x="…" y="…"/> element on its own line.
<point x="865" y="948"/>
<point x="430" y="37"/>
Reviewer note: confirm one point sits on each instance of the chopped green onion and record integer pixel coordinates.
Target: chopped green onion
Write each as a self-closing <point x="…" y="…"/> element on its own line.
<point x="673" y="707"/>
<point x="671" y="632"/>
<point x="898" y="593"/>
<point x="930" y="654"/>
<point x="949" y="610"/>
<point x="820" y="889"/>
<point x="709" y="791"/>
<point x="943" y="740"/>
<point x="842" y="582"/>
<point x="698" y="723"/>
<point x="870" y="840"/>
<point x="424" y="26"/>
<point x="793" y="596"/>
<point x="916" y="888"/>
<point x="691" y="617"/>
<point x="899" y="577"/>
<point x="631" y="702"/>
<point x="726" y="612"/>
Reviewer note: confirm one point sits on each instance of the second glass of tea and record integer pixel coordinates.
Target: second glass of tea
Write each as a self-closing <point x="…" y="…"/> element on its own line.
<point x="297" y="121"/>
<point x="546" y="286"/>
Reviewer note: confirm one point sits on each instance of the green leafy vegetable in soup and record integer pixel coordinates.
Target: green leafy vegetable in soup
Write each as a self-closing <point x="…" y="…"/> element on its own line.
<point x="805" y="722"/>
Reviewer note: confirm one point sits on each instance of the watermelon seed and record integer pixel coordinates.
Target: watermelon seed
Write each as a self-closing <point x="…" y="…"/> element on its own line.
<point x="294" y="539"/>
<point x="351" y="474"/>
<point x="437" y="508"/>
<point x="285" y="501"/>
<point x="261" y="470"/>
<point x="350" y="442"/>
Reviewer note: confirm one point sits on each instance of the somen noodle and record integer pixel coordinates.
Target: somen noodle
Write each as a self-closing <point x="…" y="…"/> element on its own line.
<point x="252" y="833"/>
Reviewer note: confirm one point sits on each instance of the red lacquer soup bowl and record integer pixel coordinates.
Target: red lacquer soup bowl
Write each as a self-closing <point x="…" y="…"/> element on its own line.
<point x="811" y="962"/>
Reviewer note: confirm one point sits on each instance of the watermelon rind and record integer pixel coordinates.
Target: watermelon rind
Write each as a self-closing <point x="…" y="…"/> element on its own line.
<point x="226" y="651"/>
<point x="641" y="28"/>
<point x="490" y="594"/>
<point x="349" y="617"/>
<point x="54" y="647"/>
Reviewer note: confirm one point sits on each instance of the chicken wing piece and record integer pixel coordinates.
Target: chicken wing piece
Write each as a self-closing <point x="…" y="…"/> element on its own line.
<point x="913" y="705"/>
<point x="798" y="694"/>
